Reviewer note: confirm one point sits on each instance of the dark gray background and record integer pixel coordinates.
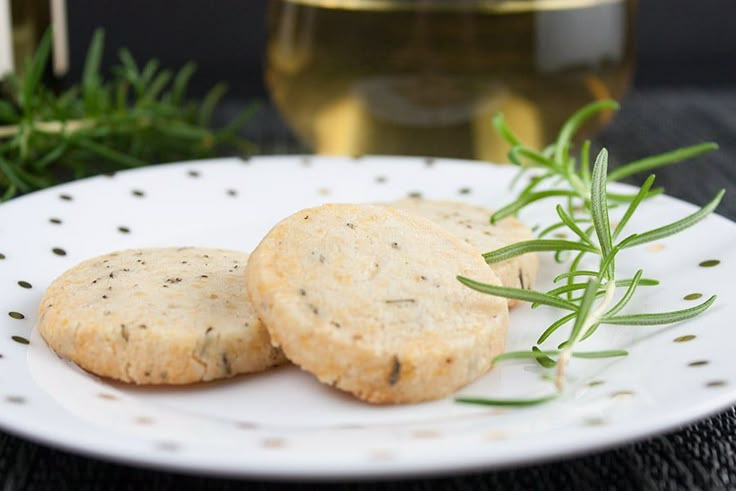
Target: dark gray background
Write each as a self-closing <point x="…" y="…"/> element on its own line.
<point x="684" y="93"/>
<point x="680" y="42"/>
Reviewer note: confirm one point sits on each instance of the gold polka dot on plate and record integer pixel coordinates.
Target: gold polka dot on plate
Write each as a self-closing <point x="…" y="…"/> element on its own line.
<point x="245" y="425"/>
<point x="167" y="446"/>
<point x="698" y="363"/>
<point x="622" y="394"/>
<point x="20" y="339"/>
<point x="684" y="339"/>
<point x="716" y="383"/>
<point x="495" y="436"/>
<point x="595" y="421"/>
<point x="381" y="454"/>
<point x="273" y="443"/>
<point x="426" y="434"/>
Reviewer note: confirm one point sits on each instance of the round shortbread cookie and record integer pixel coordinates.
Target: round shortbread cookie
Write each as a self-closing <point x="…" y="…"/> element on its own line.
<point x="157" y="316"/>
<point x="366" y="298"/>
<point x="471" y="223"/>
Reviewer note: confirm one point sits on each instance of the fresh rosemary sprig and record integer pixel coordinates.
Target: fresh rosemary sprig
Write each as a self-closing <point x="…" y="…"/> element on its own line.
<point x="559" y="167"/>
<point x="137" y="117"/>
<point x="585" y="214"/>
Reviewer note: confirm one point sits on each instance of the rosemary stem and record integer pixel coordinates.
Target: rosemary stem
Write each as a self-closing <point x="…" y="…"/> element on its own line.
<point x="592" y="319"/>
<point x="60" y="127"/>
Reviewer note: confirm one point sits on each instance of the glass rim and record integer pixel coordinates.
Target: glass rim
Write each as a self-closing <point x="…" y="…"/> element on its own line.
<point x="494" y="6"/>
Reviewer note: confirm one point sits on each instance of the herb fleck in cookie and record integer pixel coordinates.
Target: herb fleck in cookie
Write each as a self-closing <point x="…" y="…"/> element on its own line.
<point x="157" y="316"/>
<point x="366" y="298"/>
<point x="471" y="223"/>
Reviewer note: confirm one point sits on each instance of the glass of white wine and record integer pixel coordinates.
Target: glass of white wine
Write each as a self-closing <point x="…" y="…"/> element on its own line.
<point x="425" y="77"/>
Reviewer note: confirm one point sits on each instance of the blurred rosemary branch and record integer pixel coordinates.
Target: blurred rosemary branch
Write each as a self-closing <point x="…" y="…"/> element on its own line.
<point x="139" y="116"/>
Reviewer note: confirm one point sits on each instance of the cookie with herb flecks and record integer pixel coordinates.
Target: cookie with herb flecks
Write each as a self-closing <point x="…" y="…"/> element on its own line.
<point x="157" y="316"/>
<point x="366" y="299"/>
<point x="472" y="224"/>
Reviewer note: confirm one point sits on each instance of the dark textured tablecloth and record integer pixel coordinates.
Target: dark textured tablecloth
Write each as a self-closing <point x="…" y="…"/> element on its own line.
<point x="698" y="456"/>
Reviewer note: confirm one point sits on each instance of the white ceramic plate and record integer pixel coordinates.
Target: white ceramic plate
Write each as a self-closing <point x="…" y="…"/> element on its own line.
<point x="283" y="424"/>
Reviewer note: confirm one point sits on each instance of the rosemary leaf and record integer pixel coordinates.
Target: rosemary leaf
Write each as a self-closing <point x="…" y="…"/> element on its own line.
<point x="533" y="354"/>
<point x="91" y="70"/>
<point x="626" y="296"/>
<point x="634" y="205"/>
<point x="549" y="229"/>
<point x="525" y="200"/>
<point x="9" y="193"/>
<point x="679" y="225"/>
<point x="584" y="309"/>
<point x="537" y="245"/>
<point x="537" y="354"/>
<point x="520" y="151"/>
<point x="129" y="68"/>
<point x="585" y="162"/>
<point x="573" y="274"/>
<point x="534" y="181"/>
<point x="661" y="160"/>
<point x="149" y="69"/>
<point x="626" y="198"/>
<point x="581" y="286"/>
<point x="591" y="330"/>
<point x="573" y="267"/>
<point x="50" y="157"/>
<point x="570" y="222"/>
<point x="506" y="402"/>
<point x="34" y="72"/>
<point x="517" y="294"/>
<point x="109" y="153"/>
<point x="641" y="282"/>
<point x="7" y="111"/>
<point x="181" y="80"/>
<point x="554" y="326"/>
<point x="611" y="353"/>
<point x="659" y="318"/>
<point x="12" y="176"/>
<point x="210" y="101"/>
<point x="562" y="145"/>
<point x="544" y="360"/>
<point x="599" y="203"/>
<point x="156" y="86"/>
<point x="504" y="131"/>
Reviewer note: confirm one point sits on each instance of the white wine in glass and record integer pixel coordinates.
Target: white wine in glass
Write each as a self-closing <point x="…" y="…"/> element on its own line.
<point x="425" y="77"/>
